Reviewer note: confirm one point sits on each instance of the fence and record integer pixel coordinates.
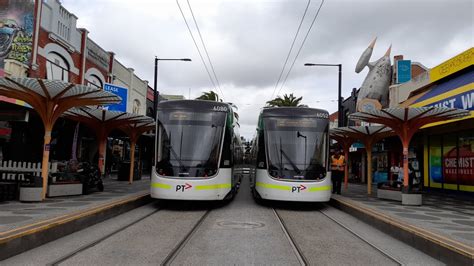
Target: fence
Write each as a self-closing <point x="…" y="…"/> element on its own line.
<point x="17" y="170"/>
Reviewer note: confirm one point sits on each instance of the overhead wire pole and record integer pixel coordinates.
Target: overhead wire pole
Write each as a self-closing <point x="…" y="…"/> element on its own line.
<point x="195" y="44"/>
<point x="205" y="49"/>
<point x="302" y="44"/>
<point x="291" y="48"/>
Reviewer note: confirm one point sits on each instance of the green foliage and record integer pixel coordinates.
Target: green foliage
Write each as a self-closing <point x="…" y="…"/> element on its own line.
<point x="287" y="100"/>
<point x="209" y="96"/>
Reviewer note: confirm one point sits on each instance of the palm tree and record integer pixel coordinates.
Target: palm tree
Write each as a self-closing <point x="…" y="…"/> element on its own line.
<point x="287" y="100"/>
<point x="212" y="96"/>
<point x="209" y="96"/>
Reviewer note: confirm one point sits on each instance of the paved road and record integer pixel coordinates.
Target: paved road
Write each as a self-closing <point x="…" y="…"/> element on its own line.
<point x="238" y="233"/>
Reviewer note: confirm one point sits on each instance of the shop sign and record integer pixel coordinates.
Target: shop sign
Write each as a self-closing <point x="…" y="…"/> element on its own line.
<point x="453" y="65"/>
<point x="460" y="101"/>
<point x="462" y="169"/>
<point x="97" y="55"/>
<point x="403" y="71"/>
<point x="367" y="105"/>
<point x="119" y="91"/>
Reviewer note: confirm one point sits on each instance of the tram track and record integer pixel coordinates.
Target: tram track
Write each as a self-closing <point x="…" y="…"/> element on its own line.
<point x="384" y="253"/>
<point x="296" y="249"/>
<point x="177" y="249"/>
<point x="103" y="238"/>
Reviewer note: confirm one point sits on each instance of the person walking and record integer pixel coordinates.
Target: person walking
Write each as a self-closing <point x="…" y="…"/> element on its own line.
<point x="337" y="171"/>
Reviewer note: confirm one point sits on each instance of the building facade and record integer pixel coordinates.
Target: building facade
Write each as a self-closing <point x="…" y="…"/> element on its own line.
<point x="43" y="41"/>
<point x="448" y="147"/>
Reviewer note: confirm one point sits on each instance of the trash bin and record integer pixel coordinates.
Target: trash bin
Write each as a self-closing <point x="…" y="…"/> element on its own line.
<point x="124" y="171"/>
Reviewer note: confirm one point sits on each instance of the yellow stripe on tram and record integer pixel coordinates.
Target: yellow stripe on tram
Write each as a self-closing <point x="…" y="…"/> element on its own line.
<point x="161" y="185"/>
<point x="216" y="186"/>
<point x="280" y="187"/>
<point x="322" y="188"/>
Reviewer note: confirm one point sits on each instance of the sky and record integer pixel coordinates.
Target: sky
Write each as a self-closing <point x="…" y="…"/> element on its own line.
<point x="249" y="40"/>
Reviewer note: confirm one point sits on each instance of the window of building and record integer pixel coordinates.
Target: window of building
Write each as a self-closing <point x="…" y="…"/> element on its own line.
<point x="57" y="68"/>
<point x="451" y="161"/>
<point x="94" y="81"/>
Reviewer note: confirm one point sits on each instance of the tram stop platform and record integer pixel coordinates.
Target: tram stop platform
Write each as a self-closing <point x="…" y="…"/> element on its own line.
<point x="24" y="226"/>
<point x="443" y="226"/>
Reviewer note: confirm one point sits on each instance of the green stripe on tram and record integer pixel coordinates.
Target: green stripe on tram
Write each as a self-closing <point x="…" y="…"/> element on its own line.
<point x="161" y="185"/>
<point x="322" y="188"/>
<point x="280" y="187"/>
<point x="216" y="186"/>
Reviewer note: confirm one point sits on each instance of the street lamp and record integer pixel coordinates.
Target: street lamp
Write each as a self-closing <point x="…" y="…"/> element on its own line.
<point x="339" y="98"/>
<point x="155" y="92"/>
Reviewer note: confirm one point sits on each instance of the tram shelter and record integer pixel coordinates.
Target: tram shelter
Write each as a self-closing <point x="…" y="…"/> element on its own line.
<point x="104" y="121"/>
<point x="406" y="121"/>
<point x="369" y="135"/>
<point x="134" y="131"/>
<point x="50" y="99"/>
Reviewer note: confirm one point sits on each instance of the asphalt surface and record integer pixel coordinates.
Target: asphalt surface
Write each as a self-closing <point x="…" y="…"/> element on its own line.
<point x="239" y="233"/>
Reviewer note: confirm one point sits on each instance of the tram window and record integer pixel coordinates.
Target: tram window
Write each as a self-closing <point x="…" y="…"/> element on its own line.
<point x="261" y="158"/>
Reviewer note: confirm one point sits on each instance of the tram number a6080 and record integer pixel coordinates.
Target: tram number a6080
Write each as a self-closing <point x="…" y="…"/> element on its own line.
<point x="219" y="108"/>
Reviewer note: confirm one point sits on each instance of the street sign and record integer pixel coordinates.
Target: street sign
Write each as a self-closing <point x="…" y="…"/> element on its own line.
<point x="119" y="91"/>
<point x="403" y="71"/>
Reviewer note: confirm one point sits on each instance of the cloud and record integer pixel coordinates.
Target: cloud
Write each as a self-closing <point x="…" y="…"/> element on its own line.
<point x="249" y="40"/>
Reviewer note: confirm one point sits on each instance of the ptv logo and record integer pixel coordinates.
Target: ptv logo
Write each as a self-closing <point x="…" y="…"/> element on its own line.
<point x="298" y="189"/>
<point x="184" y="187"/>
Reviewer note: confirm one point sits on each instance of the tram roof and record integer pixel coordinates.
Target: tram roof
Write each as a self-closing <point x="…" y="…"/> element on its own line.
<point x="192" y="104"/>
<point x="292" y="111"/>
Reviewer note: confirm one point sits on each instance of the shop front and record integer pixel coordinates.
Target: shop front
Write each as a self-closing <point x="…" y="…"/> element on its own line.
<point x="449" y="146"/>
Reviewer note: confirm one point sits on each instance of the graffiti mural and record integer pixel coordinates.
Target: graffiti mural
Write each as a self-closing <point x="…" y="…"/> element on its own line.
<point x="16" y="31"/>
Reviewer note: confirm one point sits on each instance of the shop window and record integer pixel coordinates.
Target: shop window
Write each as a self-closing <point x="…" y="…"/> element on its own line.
<point x="466" y="161"/>
<point x="450" y="168"/>
<point x="436" y="177"/>
<point x="57" y="68"/>
<point x="94" y="81"/>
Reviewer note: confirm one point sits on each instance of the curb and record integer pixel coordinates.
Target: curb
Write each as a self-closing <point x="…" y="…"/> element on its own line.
<point x="21" y="239"/>
<point x="447" y="250"/>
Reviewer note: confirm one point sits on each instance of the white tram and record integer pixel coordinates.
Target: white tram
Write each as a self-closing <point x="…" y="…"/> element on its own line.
<point x="290" y="153"/>
<point x="197" y="149"/>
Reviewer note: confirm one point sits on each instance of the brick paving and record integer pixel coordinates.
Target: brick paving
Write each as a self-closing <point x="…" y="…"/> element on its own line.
<point x="14" y="214"/>
<point x="448" y="215"/>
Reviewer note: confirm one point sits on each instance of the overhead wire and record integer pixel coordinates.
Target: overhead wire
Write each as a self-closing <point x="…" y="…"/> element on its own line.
<point x="195" y="44"/>
<point x="205" y="50"/>
<point x="291" y="48"/>
<point x="302" y="44"/>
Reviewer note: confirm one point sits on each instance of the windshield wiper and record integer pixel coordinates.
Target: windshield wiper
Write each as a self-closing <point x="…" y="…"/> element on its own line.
<point x="175" y="155"/>
<point x="299" y="135"/>
<point x="295" y="168"/>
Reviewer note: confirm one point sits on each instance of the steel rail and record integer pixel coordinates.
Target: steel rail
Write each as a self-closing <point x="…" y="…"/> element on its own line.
<point x="296" y="249"/>
<point x="176" y="250"/>
<point x="95" y="242"/>
<point x="386" y="254"/>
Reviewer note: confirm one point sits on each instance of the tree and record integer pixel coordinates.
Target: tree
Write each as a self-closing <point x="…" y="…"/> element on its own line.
<point x="212" y="96"/>
<point x="209" y="96"/>
<point x="287" y="100"/>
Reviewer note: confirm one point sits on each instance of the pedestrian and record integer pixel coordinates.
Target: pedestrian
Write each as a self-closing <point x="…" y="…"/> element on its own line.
<point x="337" y="171"/>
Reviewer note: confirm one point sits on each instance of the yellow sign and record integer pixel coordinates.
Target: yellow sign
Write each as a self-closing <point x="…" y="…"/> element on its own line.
<point x="453" y="65"/>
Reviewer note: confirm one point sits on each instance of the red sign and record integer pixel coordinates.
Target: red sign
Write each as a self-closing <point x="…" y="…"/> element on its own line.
<point x="462" y="169"/>
<point x="150" y="95"/>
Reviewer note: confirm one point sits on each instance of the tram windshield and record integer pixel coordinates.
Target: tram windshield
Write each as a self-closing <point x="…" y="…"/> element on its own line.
<point x="189" y="143"/>
<point x="296" y="147"/>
